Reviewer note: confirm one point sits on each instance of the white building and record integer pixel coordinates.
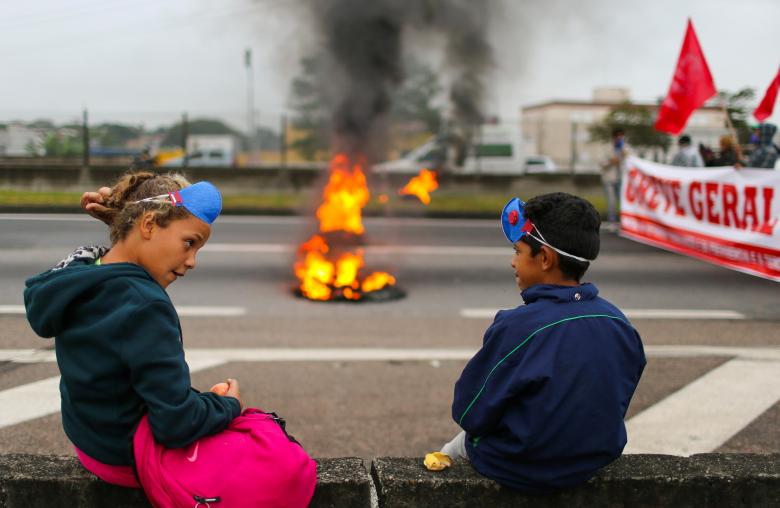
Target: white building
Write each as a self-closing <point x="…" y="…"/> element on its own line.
<point x="560" y="128"/>
<point x="18" y="140"/>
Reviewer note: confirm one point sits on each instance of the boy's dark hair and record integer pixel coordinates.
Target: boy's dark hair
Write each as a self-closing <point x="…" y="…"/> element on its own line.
<point x="618" y="132"/>
<point x="568" y="223"/>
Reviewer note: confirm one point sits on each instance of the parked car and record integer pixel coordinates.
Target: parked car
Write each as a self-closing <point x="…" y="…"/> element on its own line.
<point x="535" y="164"/>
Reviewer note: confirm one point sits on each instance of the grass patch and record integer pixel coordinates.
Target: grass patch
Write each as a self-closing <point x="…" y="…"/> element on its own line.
<point x="444" y="202"/>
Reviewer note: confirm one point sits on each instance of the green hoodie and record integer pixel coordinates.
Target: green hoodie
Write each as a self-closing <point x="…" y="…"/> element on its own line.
<point x="120" y="354"/>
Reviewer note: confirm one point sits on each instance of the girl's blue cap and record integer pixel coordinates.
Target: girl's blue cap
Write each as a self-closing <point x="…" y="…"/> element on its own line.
<point x="513" y="220"/>
<point x="202" y="200"/>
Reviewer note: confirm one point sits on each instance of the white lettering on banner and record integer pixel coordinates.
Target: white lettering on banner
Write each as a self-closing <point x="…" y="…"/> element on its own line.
<point x="722" y="215"/>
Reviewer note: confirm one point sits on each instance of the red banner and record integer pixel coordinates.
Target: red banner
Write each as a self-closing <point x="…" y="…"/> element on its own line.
<point x="691" y="86"/>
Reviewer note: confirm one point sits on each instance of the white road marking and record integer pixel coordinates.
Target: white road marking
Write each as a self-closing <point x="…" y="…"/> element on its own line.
<point x="42" y="398"/>
<point x="696" y="419"/>
<point x="705" y="314"/>
<point x="706" y="413"/>
<point x="420" y="250"/>
<point x="771" y="354"/>
<point x="182" y="310"/>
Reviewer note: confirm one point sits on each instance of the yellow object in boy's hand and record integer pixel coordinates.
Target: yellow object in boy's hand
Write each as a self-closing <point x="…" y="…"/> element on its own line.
<point x="437" y="461"/>
<point x="220" y="388"/>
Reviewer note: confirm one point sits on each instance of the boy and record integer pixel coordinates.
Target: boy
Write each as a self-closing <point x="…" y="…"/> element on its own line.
<point x="542" y="403"/>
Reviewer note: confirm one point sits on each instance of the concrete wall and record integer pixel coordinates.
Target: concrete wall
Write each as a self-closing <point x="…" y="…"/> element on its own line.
<point x="636" y="481"/>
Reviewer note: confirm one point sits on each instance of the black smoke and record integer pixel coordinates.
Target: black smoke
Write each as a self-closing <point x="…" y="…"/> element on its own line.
<point x="363" y="43"/>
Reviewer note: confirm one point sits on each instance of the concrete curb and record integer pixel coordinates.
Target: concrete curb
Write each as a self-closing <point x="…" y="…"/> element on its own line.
<point x="636" y="481"/>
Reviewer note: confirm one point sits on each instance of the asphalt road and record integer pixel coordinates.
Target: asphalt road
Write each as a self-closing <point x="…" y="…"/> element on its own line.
<point x="456" y="273"/>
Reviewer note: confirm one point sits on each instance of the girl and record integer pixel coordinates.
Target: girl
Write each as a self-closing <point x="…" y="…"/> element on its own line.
<point x="118" y="339"/>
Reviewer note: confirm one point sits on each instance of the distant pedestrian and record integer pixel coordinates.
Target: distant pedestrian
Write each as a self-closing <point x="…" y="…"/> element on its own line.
<point x="765" y="155"/>
<point x="689" y="155"/>
<point x="612" y="172"/>
<point x="542" y="403"/>
<point x="729" y="154"/>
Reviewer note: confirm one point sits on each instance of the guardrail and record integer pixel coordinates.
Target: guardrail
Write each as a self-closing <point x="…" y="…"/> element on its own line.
<point x="637" y="481"/>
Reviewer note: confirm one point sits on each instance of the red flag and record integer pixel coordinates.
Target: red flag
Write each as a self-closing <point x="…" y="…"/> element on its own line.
<point x="764" y="110"/>
<point x="691" y="86"/>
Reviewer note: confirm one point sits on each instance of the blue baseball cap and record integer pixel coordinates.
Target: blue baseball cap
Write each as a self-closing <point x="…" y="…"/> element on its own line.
<point x="202" y="200"/>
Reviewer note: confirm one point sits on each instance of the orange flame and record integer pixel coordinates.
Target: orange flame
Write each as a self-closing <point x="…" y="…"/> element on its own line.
<point x="344" y="197"/>
<point x="421" y="186"/>
<point x="322" y="278"/>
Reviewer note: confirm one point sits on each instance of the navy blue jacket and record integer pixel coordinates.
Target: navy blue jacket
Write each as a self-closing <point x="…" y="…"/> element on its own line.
<point x="119" y="350"/>
<point x="543" y="401"/>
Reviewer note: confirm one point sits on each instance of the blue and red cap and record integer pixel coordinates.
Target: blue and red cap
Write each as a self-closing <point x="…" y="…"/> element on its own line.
<point x="514" y="222"/>
<point x="516" y="225"/>
<point x="202" y="200"/>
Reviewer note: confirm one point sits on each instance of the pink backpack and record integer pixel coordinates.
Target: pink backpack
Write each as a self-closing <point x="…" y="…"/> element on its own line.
<point x="252" y="463"/>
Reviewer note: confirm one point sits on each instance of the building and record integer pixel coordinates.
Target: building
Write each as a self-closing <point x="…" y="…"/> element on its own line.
<point x="560" y="128"/>
<point x="18" y="140"/>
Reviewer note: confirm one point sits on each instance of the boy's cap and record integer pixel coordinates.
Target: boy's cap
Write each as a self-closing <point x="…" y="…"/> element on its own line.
<point x="513" y="220"/>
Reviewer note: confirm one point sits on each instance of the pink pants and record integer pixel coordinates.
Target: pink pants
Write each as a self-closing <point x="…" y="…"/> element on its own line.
<point x="117" y="475"/>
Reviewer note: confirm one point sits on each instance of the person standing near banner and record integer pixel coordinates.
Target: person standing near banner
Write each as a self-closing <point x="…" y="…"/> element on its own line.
<point x="689" y="155"/>
<point x="765" y="155"/>
<point x="611" y="173"/>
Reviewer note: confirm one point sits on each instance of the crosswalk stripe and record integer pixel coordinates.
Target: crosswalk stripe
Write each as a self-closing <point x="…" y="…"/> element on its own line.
<point x="706" y="413"/>
<point x="771" y="354"/>
<point x="706" y="314"/>
<point x="698" y="418"/>
<point x="42" y="398"/>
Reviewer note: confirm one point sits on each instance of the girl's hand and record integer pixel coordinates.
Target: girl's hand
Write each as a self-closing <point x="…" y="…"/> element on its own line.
<point x="220" y="388"/>
<point x="233" y="391"/>
<point x="92" y="203"/>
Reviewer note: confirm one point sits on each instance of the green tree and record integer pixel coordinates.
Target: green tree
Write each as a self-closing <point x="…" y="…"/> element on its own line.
<point x="173" y="135"/>
<point x="308" y="101"/>
<point x="738" y="106"/>
<point x="637" y="122"/>
<point x="416" y="98"/>
<point x="63" y="144"/>
<point x="111" y="134"/>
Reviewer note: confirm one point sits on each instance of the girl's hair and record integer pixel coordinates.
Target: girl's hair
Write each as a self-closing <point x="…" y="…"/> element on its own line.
<point x="131" y="187"/>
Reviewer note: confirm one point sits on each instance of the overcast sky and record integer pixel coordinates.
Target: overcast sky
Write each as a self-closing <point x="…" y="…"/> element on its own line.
<point x="147" y="61"/>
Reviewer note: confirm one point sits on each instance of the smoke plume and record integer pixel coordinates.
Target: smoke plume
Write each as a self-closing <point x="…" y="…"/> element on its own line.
<point x="364" y="42"/>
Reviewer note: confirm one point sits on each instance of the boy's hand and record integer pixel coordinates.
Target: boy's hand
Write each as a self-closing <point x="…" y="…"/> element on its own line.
<point x="233" y="391"/>
<point x="92" y="203"/>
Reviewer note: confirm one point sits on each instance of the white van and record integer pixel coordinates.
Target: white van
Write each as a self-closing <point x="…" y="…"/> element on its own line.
<point x="496" y="150"/>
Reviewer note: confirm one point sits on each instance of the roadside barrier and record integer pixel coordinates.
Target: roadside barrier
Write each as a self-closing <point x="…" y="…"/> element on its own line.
<point x="637" y="481"/>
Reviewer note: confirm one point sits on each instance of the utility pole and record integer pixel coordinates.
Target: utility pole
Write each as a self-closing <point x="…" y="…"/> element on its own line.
<point x="250" y="102"/>
<point x="85" y="138"/>
<point x="184" y="134"/>
<point x="283" y="141"/>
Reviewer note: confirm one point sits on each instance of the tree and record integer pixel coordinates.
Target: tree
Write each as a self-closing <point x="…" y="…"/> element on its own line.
<point x="65" y="143"/>
<point x="415" y="99"/>
<point x="738" y="108"/>
<point x="173" y="135"/>
<point x="637" y="122"/>
<point x="308" y="101"/>
<point x="111" y="134"/>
